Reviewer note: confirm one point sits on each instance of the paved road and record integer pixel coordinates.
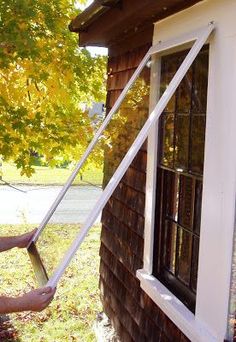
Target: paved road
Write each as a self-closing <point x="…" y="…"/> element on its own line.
<point x="31" y="204"/>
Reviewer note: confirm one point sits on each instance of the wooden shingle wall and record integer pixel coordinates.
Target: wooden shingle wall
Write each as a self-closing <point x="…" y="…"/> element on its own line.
<point x="133" y="314"/>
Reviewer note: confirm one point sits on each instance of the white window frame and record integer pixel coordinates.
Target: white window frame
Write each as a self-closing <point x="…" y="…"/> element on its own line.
<point x="199" y="38"/>
<point x="197" y="327"/>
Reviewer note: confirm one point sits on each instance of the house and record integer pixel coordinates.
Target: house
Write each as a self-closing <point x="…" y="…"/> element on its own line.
<point x="167" y="271"/>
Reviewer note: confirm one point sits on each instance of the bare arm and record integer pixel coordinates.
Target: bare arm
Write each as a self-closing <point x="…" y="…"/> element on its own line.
<point x="35" y="300"/>
<point x="20" y="241"/>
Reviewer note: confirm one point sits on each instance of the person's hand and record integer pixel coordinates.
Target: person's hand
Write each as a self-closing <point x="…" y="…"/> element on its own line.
<point x="23" y="240"/>
<point x="36" y="300"/>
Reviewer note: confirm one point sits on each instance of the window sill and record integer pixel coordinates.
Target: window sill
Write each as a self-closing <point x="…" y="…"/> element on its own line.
<point x="183" y="318"/>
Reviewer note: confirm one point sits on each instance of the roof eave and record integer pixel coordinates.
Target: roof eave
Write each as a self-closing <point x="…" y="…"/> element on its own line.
<point x="91" y="13"/>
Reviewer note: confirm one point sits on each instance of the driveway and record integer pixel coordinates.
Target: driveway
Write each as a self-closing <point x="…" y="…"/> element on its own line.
<point x="29" y="204"/>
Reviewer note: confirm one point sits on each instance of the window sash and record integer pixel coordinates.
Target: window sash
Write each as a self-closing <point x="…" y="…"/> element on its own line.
<point x="200" y="37"/>
<point x="173" y="218"/>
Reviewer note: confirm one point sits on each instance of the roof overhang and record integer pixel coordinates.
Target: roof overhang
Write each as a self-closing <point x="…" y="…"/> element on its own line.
<point x="92" y="13"/>
<point x="105" y="22"/>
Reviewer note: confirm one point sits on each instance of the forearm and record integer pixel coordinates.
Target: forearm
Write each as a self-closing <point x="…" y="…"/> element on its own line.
<point x="8" y="243"/>
<point x="10" y="304"/>
<point x="35" y="300"/>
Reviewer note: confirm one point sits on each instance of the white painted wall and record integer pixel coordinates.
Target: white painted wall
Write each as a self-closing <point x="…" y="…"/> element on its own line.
<point x="220" y="159"/>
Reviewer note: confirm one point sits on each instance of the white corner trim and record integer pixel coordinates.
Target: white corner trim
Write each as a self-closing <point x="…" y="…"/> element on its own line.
<point x="183" y="318"/>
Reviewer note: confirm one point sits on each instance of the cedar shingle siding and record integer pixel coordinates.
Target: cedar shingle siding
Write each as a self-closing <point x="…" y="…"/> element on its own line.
<point x="134" y="315"/>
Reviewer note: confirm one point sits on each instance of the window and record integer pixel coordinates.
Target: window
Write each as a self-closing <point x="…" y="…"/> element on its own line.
<point x="179" y="177"/>
<point x="141" y="131"/>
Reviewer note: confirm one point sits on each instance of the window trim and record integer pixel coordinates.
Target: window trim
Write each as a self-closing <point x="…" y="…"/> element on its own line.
<point x="192" y="325"/>
<point x="183" y="318"/>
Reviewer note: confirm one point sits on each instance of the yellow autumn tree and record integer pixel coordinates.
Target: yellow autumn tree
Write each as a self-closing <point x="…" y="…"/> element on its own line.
<point x="44" y="77"/>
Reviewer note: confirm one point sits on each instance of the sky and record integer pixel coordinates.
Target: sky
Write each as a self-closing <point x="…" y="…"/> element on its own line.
<point x="92" y="49"/>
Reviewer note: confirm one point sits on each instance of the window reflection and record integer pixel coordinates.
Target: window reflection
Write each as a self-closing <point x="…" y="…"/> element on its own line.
<point x="167" y="134"/>
<point x="182" y="125"/>
<point x="184" y="255"/>
<point x="197" y="144"/>
<point x="199" y="98"/>
<point x="170" y="246"/>
<point x="171" y="194"/>
<point x="186" y="201"/>
<point x="184" y="93"/>
<point x="169" y="67"/>
<point x="181" y="141"/>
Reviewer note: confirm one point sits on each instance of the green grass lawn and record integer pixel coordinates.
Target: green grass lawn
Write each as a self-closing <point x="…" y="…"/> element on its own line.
<point x="47" y="175"/>
<point x="70" y="317"/>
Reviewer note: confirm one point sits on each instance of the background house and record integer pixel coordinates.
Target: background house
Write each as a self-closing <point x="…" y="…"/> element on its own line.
<point x="156" y="283"/>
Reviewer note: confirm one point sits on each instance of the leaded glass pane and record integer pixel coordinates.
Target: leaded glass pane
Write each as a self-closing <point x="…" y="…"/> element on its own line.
<point x="167" y="140"/>
<point x="186" y="201"/>
<point x="182" y="123"/>
<point x="184" y="255"/>
<point x="184" y="92"/>
<point x="170" y="246"/>
<point x="197" y="144"/>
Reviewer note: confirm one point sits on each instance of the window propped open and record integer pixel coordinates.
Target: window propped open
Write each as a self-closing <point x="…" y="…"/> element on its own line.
<point x="135" y="131"/>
